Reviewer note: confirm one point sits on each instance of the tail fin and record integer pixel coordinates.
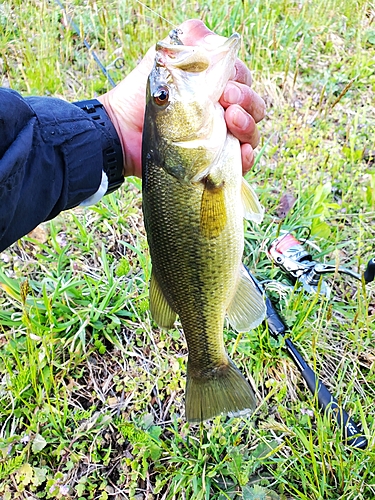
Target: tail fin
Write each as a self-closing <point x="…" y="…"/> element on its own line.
<point x="223" y="390"/>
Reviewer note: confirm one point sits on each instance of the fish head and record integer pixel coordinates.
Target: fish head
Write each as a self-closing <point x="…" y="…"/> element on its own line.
<point x="182" y="109"/>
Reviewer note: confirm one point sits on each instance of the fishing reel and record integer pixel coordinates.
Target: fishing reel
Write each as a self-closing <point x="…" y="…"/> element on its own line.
<point x="290" y="255"/>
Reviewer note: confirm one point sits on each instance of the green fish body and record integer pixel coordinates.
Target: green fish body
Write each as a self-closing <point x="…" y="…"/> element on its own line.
<point x="194" y="202"/>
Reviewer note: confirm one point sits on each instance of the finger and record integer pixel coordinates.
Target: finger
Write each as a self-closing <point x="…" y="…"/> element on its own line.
<point x="194" y="31"/>
<point x="247" y="157"/>
<point x="244" y="96"/>
<point x="242" y="125"/>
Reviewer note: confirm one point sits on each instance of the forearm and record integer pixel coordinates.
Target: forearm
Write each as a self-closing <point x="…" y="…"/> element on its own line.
<point x="51" y="159"/>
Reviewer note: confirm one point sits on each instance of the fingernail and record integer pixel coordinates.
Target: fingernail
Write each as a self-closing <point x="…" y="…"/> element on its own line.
<point x="240" y="119"/>
<point x="232" y="94"/>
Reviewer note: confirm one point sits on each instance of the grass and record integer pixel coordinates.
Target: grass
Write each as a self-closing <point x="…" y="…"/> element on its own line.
<point x="91" y="393"/>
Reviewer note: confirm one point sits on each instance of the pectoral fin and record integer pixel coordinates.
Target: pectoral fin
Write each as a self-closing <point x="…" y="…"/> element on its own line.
<point x="161" y="311"/>
<point x="247" y="309"/>
<point x="253" y="209"/>
<point x="213" y="211"/>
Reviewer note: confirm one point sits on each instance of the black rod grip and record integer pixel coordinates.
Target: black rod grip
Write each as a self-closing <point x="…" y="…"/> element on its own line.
<point x="327" y="402"/>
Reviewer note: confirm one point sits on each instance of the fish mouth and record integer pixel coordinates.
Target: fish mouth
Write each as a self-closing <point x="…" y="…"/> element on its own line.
<point x="194" y="58"/>
<point x="230" y="42"/>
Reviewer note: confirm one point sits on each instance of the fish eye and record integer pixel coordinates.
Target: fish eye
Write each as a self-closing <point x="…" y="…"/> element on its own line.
<point x="161" y="96"/>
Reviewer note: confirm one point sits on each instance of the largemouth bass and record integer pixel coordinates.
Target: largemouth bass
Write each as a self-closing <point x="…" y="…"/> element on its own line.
<point x="194" y="202"/>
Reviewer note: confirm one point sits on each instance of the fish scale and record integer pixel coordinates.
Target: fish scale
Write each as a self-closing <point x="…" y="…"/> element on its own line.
<point x="182" y="257"/>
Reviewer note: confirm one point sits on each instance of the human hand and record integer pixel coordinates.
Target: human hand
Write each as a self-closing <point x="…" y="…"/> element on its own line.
<point x="125" y="104"/>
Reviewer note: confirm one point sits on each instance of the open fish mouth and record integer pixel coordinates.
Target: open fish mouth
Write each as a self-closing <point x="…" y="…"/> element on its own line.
<point x="194" y="58"/>
<point x="230" y="42"/>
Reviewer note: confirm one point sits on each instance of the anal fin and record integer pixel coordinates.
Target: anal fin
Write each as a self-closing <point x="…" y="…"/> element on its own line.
<point x="161" y="311"/>
<point x="247" y="309"/>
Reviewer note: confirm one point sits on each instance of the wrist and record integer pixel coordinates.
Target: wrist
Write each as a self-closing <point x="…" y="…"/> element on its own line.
<point x="119" y="121"/>
<point x="126" y="130"/>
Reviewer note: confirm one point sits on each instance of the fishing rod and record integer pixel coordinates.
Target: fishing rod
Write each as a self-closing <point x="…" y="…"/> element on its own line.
<point x="276" y="326"/>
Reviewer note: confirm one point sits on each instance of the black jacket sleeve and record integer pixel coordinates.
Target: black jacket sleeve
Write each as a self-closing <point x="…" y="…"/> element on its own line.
<point x="51" y="159"/>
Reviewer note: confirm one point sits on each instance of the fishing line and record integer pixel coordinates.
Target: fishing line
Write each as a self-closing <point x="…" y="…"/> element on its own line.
<point x="156" y="13"/>
<point x="73" y="25"/>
